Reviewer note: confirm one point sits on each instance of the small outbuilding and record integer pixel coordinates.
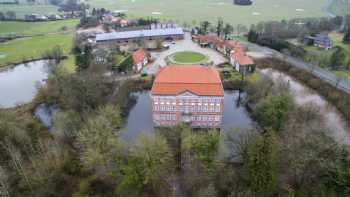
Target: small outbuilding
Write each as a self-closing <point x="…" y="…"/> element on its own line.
<point x="140" y="60"/>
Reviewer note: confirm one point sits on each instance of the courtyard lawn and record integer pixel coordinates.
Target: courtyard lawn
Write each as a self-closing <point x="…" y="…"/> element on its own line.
<point x="188" y="57"/>
<point x="194" y="11"/>
<point x="31" y="28"/>
<point x="33" y="47"/>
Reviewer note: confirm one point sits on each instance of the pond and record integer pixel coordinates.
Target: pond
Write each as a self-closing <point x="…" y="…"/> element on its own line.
<point x="19" y="84"/>
<point x="140" y="115"/>
<point x="45" y="113"/>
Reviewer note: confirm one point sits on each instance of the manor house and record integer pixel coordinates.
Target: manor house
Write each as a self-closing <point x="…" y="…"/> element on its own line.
<point x="191" y="94"/>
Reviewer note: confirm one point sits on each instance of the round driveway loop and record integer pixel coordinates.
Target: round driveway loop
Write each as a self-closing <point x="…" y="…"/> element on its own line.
<point x="182" y="45"/>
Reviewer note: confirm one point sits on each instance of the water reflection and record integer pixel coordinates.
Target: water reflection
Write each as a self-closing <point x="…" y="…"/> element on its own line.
<point x="304" y="95"/>
<point x="19" y="84"/>
<point x="140" y="116"/>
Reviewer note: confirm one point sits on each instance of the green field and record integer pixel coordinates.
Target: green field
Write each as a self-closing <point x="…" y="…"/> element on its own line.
<point x="199" y="10"/>
<point x="33" y="47"/>
<point x="30" y="28"/>
<point x="24" y="9"/>
<point x="340" y="7"/>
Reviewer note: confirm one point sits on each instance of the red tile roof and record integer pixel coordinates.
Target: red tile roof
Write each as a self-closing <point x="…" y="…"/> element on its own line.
<point x="239" y="52"/>
<point x="138" y="56"/>
<point x="176" y="79"/>
<point x="241" y="57"/>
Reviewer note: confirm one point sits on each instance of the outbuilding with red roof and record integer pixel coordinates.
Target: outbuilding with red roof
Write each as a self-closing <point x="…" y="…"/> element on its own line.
<point x="140" y="59"/>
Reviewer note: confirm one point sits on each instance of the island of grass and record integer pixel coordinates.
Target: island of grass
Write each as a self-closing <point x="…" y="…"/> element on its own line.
<point x="188" y="57"/>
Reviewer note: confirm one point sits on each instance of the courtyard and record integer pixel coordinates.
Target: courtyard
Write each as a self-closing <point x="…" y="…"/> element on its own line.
<point x="193" y="53"/>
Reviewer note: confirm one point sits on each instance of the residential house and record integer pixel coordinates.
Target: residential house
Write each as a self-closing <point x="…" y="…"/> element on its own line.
<point x="241" y="62"/>
<point x="190" y="94"/>
<point x="140" y="60"/>
<point x="230" y="48"/>
<point x="100" y="56"/>
<point x="320" y="40"/>
<point x="123" y="23"/>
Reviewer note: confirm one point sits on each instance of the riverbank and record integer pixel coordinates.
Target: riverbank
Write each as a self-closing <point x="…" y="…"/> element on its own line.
<point x="339" y="98"/>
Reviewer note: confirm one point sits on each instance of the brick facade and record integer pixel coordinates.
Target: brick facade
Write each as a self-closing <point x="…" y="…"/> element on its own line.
<point x="198" y="111"/>
<point x="189" y="94"/>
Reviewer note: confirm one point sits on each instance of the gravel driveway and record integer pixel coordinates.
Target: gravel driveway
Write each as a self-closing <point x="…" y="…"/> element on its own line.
<point x="182" y="45"/>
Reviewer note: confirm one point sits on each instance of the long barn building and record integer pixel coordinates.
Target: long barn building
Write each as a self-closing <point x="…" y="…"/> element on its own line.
<point x="139" y="35"/>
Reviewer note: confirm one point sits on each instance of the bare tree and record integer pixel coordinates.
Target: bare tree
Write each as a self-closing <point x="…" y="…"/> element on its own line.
<point x="17" y="161"/>
<point x="4" y="190"/>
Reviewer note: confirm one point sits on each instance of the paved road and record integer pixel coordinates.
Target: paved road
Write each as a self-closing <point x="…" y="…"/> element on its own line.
<point x="259" y="51"/>
<point x="183" y="45"/>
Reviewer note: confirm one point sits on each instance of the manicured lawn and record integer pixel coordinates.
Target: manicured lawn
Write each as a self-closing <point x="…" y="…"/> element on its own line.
<point x="188" y="57"/>
<point x="30" y="28"/>
<point x="28" y="48"/>
<point x="199" y="10"/>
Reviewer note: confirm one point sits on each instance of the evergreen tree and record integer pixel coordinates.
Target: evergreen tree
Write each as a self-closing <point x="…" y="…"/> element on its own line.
<point x="228" y="29"/>
<point x="252" y="36"/>
<point x="346" y="38"/>
<point x="204" y="27"/>
<point x="338" y="58"/>
<point x="219" y="27"/>
<point x="262" y="163"/>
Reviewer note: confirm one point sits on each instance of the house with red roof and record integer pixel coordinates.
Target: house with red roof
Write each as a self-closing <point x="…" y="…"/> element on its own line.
<point x="240" y="61"/>
<point x="230" y="48"/>
<point x="191" y="94"/>
<point x="140" y="59"/>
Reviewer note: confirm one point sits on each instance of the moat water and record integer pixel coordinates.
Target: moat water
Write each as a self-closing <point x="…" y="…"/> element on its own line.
<point x="333" y="119"/>
<point x="140" y="116"/>
<point x="19" y="84"/>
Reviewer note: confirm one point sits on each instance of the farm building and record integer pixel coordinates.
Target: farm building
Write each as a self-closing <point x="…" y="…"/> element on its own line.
<point x="243" y="2"/>
<point x="35" y="17"/>
<point x="191" y="94"/>
<point x="136" y="36"/>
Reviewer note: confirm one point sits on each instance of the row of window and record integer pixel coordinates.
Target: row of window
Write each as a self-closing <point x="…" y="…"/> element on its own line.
<point x="174" y="108"/>
<point x="198" y="118"/>
<point x="205" y="124"/>
<point x="206" y="118"/>
<point x="165" y="117"/>
<point x="180" y="103"/>
<point x="172" y="100"/>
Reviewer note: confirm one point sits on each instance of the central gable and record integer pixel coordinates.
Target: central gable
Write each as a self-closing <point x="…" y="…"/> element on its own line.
<point x="187" y="93"/>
